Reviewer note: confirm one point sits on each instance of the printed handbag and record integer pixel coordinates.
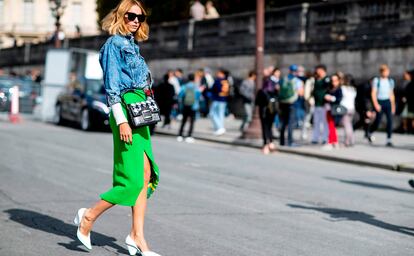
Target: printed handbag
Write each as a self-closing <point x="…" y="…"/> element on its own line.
<point x="338" y="110"/>
<point x="143" y="113"/>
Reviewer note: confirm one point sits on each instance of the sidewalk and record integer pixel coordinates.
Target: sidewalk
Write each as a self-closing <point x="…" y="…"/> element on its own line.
<point x="398" y="158"/>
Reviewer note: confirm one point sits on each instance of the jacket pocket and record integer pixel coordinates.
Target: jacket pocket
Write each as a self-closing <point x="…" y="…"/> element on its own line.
<point x="130" y="57"/>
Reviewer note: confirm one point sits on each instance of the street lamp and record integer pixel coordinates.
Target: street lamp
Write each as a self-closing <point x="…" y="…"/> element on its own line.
<point x="57" y="7"/>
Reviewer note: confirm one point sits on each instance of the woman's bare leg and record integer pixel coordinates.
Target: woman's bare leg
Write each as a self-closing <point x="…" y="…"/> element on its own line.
<point x="92" y="214"/>
<point x="138" y="211"/>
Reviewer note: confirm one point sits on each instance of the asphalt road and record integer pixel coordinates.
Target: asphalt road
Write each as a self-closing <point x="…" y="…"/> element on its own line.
<point x="212" y="200"/>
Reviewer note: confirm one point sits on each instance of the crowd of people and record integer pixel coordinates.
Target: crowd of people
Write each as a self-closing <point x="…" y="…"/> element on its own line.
<point x="296" y="100"/>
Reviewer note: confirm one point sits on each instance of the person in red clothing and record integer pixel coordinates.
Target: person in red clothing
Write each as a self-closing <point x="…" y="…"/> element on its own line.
<point x="332" y="98"/>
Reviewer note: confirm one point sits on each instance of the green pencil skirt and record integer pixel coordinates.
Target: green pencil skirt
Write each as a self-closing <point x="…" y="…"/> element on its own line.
<point x="128" y="170"/>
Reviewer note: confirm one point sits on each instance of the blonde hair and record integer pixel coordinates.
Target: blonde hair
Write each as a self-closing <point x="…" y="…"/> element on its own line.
<point x="114" y="23"/>
<point x="383" y="68"/>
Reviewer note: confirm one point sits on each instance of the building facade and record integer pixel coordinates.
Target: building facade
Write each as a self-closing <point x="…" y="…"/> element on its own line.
<point x="32" y="21"/>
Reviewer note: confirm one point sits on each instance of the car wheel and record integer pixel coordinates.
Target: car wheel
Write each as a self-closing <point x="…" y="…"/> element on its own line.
<point x="85" y="120"/>
<point x="57" y="119"/>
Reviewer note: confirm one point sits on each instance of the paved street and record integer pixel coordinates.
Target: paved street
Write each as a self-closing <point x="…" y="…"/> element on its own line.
<point x="213" y="199"/>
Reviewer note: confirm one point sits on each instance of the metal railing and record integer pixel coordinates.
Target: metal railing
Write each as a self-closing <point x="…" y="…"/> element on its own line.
<point x="352" y="24"/>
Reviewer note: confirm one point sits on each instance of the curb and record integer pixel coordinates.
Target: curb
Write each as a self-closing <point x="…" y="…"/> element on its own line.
<point x="397" y="168"/>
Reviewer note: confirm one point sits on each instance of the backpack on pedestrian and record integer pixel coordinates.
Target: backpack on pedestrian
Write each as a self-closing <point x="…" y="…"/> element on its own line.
<point x="189" y="96"/>
<point x="287" y="92"/>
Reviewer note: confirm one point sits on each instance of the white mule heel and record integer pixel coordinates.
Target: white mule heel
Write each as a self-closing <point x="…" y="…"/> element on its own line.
<point x="132" y="246"/>
<point x="133" y="249"/>
<point x="85" y="240"/>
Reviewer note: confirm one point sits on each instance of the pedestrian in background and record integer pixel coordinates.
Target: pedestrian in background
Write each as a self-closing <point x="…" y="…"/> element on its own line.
<point x="197" y="10"/>
<point x="165" y="98"/>
<point x="364" y="108"/>
<point x="220" y="92"/>
<point x="309" y="104"/>
<point x="207" y="83"/>
<point x="189" y="98"/>
<point x="383" y="99"/>
<point x="332" y="98"/>
<point x="275" y="79"/>
<point x="135" y="173"/>
<point x="247" y="91"/>
<point x="321" y="86"/>
<point x="408" y="98"/>
<point x="211" y="11"/>
<point x="348" y="101"/>
<point x="266" y="100"/>
<point x="291" y="88"/>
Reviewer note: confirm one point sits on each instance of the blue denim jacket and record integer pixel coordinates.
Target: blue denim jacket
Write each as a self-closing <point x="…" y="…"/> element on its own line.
<point x="123" y="67"/>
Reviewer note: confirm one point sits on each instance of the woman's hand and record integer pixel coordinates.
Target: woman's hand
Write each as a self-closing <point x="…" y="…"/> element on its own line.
<point x="125" y="133"/>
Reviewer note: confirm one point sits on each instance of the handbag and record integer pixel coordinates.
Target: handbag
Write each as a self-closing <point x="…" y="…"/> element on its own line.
<point x="142" y="113"/>
<point x="338" y="110"/>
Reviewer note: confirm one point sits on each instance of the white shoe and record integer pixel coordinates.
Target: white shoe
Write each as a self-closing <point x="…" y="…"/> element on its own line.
<point x="133" y="248"/>
<point x="180" y="139"/>
<point x="85" y="240"/>
<point x="189" y="140"/>
<point x="220" y="131"/>
<point x="327" y="147"/>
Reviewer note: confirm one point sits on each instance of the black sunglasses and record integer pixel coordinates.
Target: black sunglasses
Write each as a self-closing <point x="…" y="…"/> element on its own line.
<point x="132" y="16"/>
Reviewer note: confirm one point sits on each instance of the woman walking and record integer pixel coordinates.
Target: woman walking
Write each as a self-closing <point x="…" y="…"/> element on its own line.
<point x="266" y="100"/>
<point x="127" y="79"/>
<point x="332" y="99"/>
<point x="348" y="101"/>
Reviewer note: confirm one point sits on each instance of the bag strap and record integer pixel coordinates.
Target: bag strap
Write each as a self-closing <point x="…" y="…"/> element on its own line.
<point x="147" y="89"/>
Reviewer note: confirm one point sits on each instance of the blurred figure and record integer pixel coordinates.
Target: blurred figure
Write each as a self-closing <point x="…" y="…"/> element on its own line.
<point x="363" y="107"/>
<point x="383" y="99"/>
<point x="2" y="72"/>
<point x="299" y="105"/>
<point x="206" y="84"/>
<point x="321" y="86"/>
<point x="173" y="80"/>
<point x="197" y="11"/>
<point x="189" y="98"/>
<point x="219" y="95"/>
<point x="266" y="100"/>
<point x="408" y="98"/>
<point x="179" y="74"/>
<point x="348" y="101"/>
<point x="332" y="98"/>
<point x="309" y="102"/>
<point x="211" y="11"/>
<point x="165" y="97"/>
<point x="276" y="78"/>
<point x="247" y="91"/>
<point x="291" y="88"/>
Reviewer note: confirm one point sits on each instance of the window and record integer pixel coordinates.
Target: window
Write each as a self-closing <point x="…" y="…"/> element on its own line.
<point x="28" y="13"/>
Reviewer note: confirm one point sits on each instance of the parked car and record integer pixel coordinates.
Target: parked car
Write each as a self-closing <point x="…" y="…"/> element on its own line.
<point x="28" y="93"/>
<point x="84" y="105"/>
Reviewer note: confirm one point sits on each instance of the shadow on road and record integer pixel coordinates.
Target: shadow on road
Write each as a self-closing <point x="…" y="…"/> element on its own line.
<point x="55" y="226"/>
<point x="373" y="185"/>
<point x="345" y="215"/>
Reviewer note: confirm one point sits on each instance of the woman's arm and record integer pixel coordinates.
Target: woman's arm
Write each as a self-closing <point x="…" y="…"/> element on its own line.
<point x="110" y="56"/>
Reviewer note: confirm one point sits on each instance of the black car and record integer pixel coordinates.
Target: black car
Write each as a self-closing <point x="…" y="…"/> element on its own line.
<point x="84" y="105"/>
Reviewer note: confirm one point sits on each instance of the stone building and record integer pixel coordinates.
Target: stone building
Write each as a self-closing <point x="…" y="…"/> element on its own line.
<point x="24" y="21"/>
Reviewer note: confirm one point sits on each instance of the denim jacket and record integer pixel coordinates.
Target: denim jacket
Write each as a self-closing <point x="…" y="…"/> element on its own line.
<point x="123" y="67"/>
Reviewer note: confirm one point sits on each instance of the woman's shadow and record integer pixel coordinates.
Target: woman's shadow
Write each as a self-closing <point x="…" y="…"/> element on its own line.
<point x="55" y="226"/>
